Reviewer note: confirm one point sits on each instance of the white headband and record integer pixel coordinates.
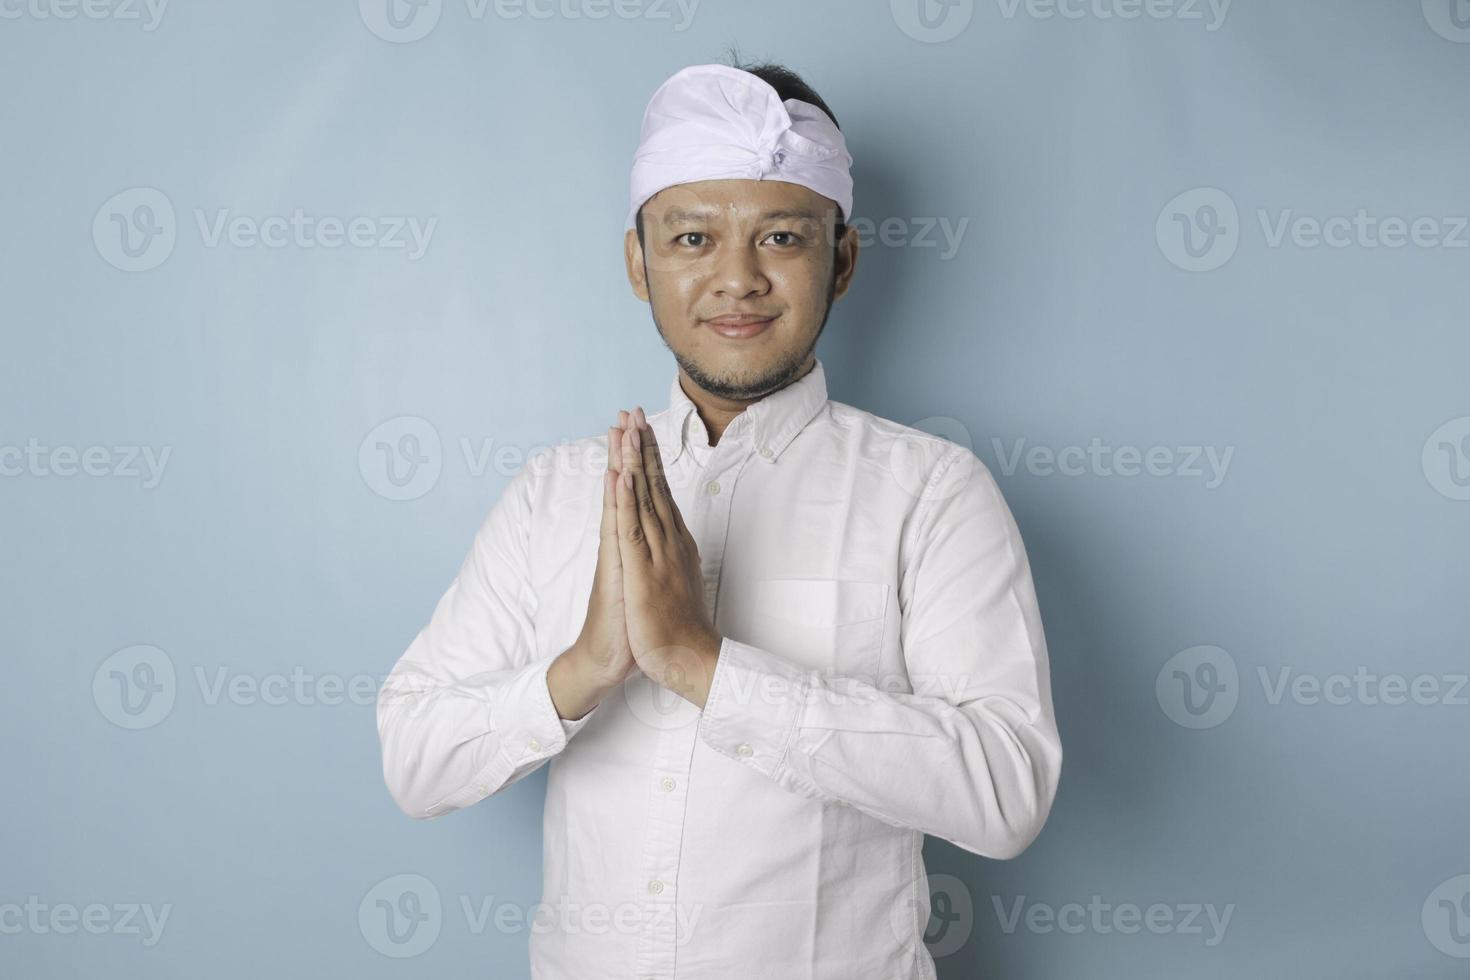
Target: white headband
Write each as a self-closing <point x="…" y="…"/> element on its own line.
<point x="713" y="122"/>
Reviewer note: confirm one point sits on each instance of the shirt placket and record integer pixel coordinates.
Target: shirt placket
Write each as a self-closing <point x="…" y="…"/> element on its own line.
<point x="707" y="515"/>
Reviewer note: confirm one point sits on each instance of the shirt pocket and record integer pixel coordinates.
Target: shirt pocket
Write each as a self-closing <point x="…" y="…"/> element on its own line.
<point x="832" y="625"/>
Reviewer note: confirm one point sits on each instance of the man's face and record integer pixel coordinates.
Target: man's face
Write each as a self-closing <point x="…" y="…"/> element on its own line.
<point x="740" y="275"/>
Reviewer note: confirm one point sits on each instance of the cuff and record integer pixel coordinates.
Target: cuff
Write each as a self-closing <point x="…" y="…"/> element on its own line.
<point x="754" y="706"/>
<point x="530" y="731"/>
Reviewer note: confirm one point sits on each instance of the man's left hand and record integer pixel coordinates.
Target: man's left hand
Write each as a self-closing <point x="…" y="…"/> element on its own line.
<point x="669" y="627"/>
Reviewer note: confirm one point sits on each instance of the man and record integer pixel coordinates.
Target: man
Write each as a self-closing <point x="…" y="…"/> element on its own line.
<point x="783" y="641"/>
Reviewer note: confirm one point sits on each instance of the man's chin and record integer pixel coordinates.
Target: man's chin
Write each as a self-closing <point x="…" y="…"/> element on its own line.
<point x="741" y="377"/>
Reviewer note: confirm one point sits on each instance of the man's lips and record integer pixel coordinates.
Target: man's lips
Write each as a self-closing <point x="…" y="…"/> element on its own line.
<point x="739" y="325"/>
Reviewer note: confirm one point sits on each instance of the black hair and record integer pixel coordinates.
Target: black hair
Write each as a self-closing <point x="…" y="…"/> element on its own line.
<point x="788" y="85"/>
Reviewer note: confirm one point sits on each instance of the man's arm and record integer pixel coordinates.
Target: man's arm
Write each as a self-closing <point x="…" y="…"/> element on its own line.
<point x="973" y="756"/>
<point x="467" y="711"/>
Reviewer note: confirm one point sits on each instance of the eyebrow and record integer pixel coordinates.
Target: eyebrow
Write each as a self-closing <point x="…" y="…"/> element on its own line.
<point x="676" y="215"/>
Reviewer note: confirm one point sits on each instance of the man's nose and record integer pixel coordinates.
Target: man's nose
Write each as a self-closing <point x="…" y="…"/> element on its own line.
<point x="738" y="272"/>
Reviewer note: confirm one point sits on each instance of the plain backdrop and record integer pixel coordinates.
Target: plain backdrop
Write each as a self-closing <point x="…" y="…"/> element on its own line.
<point x="1238" y="448"/>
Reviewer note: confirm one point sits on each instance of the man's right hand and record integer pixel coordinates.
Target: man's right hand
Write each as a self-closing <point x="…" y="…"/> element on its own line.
<point x="601" y="658"/>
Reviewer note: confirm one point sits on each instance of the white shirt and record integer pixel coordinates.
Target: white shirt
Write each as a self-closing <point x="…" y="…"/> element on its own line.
<point x="883" y="676"/>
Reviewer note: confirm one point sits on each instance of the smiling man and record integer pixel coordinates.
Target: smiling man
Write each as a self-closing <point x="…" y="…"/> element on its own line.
<point x="782" y="641"/>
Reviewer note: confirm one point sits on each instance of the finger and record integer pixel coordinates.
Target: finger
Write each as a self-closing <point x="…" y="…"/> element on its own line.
<point x="658" y="481"/>
<point x="614" y="448"/>
<point x="609" y="560"/>
<point x="653" y="529"/>
<point x="653" y="472"/>
<point x="632" y="542"/>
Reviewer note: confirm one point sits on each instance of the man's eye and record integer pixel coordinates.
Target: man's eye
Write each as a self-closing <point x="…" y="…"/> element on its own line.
<point x="783" y="238"/>
<point x="693" y="239"/>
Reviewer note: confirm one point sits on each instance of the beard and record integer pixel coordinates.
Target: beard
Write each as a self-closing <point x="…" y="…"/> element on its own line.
<point x="737" y="387"/>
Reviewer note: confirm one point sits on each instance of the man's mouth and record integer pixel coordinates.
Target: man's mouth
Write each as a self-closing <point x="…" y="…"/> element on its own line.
<point x="739" y="326"/>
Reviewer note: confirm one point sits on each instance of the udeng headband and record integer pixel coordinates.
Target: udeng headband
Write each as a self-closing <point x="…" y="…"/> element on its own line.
<point x="713" y="122"/>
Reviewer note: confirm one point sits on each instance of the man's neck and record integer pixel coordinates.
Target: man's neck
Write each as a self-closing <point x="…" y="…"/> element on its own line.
<point x="716" y="412"/>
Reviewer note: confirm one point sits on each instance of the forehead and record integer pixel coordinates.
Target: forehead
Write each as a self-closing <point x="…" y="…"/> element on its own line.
<point x="717" y="200"/>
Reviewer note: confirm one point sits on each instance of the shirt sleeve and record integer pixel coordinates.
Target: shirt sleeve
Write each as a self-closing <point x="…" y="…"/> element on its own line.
<point x="466" y="712"/>
<point x="971" y="753"/>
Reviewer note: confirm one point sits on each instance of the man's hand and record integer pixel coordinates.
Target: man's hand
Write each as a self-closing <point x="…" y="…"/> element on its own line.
<point x="669" y="628"/>
<point x="601" y="658"/>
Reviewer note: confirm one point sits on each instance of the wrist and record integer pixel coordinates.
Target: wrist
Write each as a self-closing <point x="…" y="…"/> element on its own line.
<point x="691" y="667"/>
<point x="577" y="683"/>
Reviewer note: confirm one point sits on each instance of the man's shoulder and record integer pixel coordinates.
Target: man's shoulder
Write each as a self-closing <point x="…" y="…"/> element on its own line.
<point x="924" y="444"/>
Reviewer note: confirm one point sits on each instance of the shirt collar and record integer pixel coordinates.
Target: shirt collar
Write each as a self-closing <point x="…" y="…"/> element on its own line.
<point x="773" y="421"/>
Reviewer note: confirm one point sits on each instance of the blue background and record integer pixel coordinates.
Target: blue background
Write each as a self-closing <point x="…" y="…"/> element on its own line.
<point x="1336" y="376"/>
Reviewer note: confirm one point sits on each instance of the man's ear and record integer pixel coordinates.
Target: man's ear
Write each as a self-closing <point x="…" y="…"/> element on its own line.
<point x="846" y="259"/>
<point x="633" y="259"/>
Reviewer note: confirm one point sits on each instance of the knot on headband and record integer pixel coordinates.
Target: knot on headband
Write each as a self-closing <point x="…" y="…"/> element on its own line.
<point x="713" y="122"/>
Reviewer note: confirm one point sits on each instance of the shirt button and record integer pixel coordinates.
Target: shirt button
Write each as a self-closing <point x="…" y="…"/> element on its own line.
<point x="668" y="783"/>
<point x="766" y="451"/>
<point x="481" y="788"/>
<point x="743" y="749"/>
<point x="712" y="487"/>
<point x="655" y="886"/>
<point x="534" y="745"/>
